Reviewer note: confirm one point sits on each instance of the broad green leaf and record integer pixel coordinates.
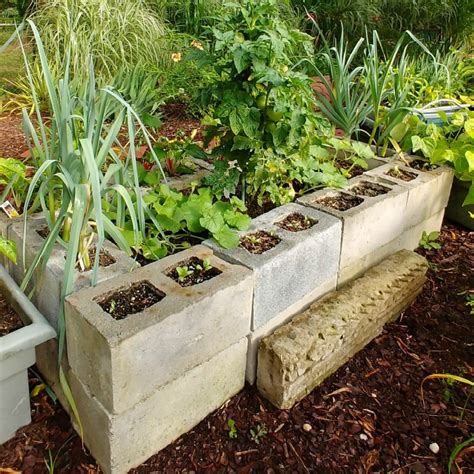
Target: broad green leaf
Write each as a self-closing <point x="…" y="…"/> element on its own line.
<point x="469" y="127"/>
<point x="470" y="160"/>
<point x="227" y="238"/>
<point x="8" y="248"/>
<point x="212" y="220"/>
<point x="237" y="219"/>
<point x="469" y="200"/>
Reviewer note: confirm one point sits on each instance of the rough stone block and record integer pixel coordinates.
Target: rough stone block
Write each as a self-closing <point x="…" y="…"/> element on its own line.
<point x="48" y="283"/>
<point x="371" y="224"/>
<point x="299" y="264"/>
<point x="255" y="336"/>
<point x="301" y="354"/>
<point x="122" y="441"/>
<point x="428" y="193"/>
<point x="124" y="361"/>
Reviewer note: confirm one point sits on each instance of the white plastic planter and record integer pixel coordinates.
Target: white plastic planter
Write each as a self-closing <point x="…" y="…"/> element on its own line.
<point x="17" y="353"/>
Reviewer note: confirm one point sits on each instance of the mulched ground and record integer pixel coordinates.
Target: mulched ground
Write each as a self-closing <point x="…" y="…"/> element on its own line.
<point x="368" y="417"/>
<point x="12" y="139"/>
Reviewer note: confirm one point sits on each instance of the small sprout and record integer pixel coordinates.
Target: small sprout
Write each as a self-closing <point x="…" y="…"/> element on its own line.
<point x="259" y="432"/>
<point x="183" y="272"/>
<point x="112" y="307"/>
<point x="233" y="433"/>
<point x="207" y="264"/>
<point x="428" y="241"/>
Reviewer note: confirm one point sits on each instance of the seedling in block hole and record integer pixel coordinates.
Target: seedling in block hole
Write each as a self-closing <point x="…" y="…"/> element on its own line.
<point x="428" y="241"/>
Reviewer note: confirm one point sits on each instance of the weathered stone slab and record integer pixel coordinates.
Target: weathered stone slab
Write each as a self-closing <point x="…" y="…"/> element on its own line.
<point x="300" y="355"/>
<point x="124" y="361"/>
<point x="122" y="441"/>
<point x="298" y="265"/>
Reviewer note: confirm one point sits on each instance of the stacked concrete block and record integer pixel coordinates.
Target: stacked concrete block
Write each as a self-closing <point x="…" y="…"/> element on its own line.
<point x="146" y="379"/>
<point x="428" y="191"/>
<point x="300" y="355"/>
<point x="370" y="228"/>
<point x="288" y="277"/>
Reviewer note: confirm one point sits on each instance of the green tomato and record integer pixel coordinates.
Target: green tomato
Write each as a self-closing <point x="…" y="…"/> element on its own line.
<point x="261" y="101"/>
<point x="272" y="115"/>
<point x="270" y="127"/>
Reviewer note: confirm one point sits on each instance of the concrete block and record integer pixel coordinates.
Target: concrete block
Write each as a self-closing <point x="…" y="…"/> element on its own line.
<point x="299" y="264"/>
<point x="48" y="283"/>
<point x="124" y="361"/>
<point x="371" y="224"/>
<point x="122" y="441"/>
<point x="300" y="355"/>
<point x="408" y="240"/>
<point x="428" y="192"/>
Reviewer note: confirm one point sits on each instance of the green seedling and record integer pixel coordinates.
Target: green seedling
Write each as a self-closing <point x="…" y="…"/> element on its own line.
<point x="259" y="432"/>
<point x="206" y="264"/>
<point x="113" y="305"/>
<point x="183" y="272"/>
<point x="428" y="241"/>
<point x="470" y="303"/>
<point x="233" y="433"/>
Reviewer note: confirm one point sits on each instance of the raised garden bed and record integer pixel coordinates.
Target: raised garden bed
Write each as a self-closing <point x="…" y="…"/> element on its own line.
<point x="142" y="344"/>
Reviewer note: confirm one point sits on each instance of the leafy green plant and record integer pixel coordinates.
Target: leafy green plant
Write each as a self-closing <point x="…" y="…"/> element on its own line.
<point x="175" y="218"/>
<point x="8" y="248"/>
<point x="79" y="175"/>
<point x="13" y="178"/>
<point x="183" y="272"/>
<point x="470" y="303"/>
<point x="451" y="144"/>
<point x="428" y="241"/>
<point x="233" y="433"/>
<point x="258" y="433"/>
<point x="261" y="107"/>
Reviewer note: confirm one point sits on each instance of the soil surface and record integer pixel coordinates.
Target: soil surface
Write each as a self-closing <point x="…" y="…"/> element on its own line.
<point x="296" y="222"/>
<point x="401" y="174"/>
<point x="9" y="320"/>
<point x="12" y="139"/>
<point x="348" y="165"/>
<point x="369" y="189"/>
<point x="340" y="201"/>
<point x="421" y="165"/>
<point x="194" y="271"/>
<point x="259" y="242"/>
<point x="134" y="299"/>
<point x="369" y="417"/>
<point x="105" y="259"/>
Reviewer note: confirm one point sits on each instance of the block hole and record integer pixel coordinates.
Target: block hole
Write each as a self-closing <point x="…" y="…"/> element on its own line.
<point x="296" y="222"/>
<point x="340" y="201"/>
<point x="131" y="299"/>
<point x="366" y="188"/>
<point x="403" y="175"/>
<point x="259" y="242"/>
<point x="192" y="271"/>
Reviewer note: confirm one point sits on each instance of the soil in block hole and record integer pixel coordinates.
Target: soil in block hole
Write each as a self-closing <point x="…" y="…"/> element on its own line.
<point x="401" y="174"/>
<point x="368" y="189"/>
<point x="259" y="242"/>
<point x="340" y="201"/>
<point x="130" y="300"/>
<point x="296" y="222"/>
<point x="193" y="271"/>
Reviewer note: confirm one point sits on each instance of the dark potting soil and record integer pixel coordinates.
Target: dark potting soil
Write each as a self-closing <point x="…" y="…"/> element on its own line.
<point x="421" y="165"/>
<point x="368" y="417"/>
<point x="259" y="242"/>
<point x="296" y="222"/>
<point x="346" y="165"/>
<point x="131" y="300"/>
<point x="401" y="174"/>
<point x="196" y="272"/>
<point x="254" y="209"/>
<point x="43" y="232"/>
<point x="340" y="201"/>
<point x="369" y="189"/>
<point x="105" y="259"/>
<point x="9" y="320"/>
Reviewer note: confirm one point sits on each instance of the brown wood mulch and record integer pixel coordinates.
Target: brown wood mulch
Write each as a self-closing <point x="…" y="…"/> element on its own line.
<point x="368" y="417"/>
<point x="12" y="139"/>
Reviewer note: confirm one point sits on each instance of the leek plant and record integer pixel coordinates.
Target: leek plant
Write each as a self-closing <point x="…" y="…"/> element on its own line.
<point x="84" y="185"/>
